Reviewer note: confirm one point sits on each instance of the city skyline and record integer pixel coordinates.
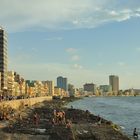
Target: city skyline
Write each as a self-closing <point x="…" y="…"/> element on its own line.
<point x="84" y="41"/>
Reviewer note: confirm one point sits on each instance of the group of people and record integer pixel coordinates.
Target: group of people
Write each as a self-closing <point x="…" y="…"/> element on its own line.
<point x="59" y="118"/>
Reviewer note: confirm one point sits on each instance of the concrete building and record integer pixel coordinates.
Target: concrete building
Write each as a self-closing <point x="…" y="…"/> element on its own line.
<point x="3" y="58"/>
<point x="15" y="88"/>
<point x="90" y="87"/>
<point x="62" y="83"/>
<point x="114" y="82"/>
<point x="59" y="92"/>
<point x="10" y="82"/>
<point x="0" y="81"/>
<point x="105" y="89"/>
<point x="134" y="92"/>
<point x="71" y="90"/>
<point x="50" y="85"/>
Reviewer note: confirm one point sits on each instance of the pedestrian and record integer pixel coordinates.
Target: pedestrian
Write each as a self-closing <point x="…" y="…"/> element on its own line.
<point x="68" y="124"/>
<point x="135" y="133"/>
<point x="36" y="119"/>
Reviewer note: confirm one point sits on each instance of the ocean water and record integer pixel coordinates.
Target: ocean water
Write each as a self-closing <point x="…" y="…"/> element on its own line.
<point x="124" y="111"/>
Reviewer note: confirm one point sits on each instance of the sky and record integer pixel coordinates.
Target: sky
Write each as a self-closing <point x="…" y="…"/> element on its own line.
<point x="83" y="40"/>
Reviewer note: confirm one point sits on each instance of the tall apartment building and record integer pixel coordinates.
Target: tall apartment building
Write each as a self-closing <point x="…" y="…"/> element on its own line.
<point x="62" y="83"/>
<point x="3" y="58"/>
<point x="114" y="82"/>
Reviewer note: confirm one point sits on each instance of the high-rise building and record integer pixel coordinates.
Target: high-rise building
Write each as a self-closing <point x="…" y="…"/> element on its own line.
<point x="62" y="83"/>
<point x="3" y="58"/>
<point x="114" y="82"/>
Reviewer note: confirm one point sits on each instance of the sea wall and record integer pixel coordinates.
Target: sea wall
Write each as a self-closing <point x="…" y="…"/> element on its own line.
<point x="16" y="104"/>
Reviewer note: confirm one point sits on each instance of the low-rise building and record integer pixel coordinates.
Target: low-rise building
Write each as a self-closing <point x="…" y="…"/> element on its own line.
<point x="15" y="87"/>
<point x="90" y="87"/>
<point x="71" y="90"/>
<point x="105" y="89"/>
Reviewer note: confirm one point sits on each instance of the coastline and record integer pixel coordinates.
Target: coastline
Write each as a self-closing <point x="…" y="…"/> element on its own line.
<point x="84" y="124"/>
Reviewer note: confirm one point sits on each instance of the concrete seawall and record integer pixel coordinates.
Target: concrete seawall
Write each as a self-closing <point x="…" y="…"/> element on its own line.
<point x="16" y="104"/>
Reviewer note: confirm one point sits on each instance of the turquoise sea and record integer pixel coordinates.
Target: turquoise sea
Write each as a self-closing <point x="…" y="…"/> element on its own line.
<point x="124" y="111"/>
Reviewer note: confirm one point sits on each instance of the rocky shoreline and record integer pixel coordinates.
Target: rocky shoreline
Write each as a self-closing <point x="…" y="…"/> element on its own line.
<point x="83" y="124"/>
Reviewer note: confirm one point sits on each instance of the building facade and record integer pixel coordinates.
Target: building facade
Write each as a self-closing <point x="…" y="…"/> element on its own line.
<point x="62" y="83"/>
<point x="0" y="81"/>
<point x="105" y="89"/>
<point x="71" y="90"/>
<point x="50" y="85"/>
<point x="3" y="58"/>
<point x="114" y="82"/>
<point x="59" y="92"/>
<point x="90" y="87"/>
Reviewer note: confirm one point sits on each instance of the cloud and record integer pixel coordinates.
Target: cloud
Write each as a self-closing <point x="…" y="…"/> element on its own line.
<point x="121" y="64"/>
<point x="77" y="66"/>
<point x="73" y="54"/>
<point x="75" y="58"/>
<point x="64" y="14"/>
<point x="71" y="50"/>
<point x="54" y="39"/>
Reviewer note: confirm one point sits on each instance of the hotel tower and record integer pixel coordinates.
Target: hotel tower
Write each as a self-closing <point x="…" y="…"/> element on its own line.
<point x="114" y="82"/>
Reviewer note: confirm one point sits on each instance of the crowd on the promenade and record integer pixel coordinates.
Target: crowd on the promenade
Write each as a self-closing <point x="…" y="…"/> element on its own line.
<point x="10" y="97"/>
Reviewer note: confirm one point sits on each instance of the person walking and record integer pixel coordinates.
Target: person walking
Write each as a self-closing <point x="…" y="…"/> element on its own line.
<point x="135" y="133"/>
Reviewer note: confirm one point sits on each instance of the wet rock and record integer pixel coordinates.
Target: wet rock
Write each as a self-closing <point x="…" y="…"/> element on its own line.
<point x="85" y="126"/>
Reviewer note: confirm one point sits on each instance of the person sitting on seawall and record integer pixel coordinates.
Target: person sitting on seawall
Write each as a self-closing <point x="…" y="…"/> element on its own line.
<point x="135" y="133"/>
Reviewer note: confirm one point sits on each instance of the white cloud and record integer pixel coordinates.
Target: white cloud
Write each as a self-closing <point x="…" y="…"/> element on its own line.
<point x="73" y="54"/>
<point x="77" y="66"/>
<point x="71" y="50"/>
<point x="75" y="58"/>
<point x="19" y="15"/>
